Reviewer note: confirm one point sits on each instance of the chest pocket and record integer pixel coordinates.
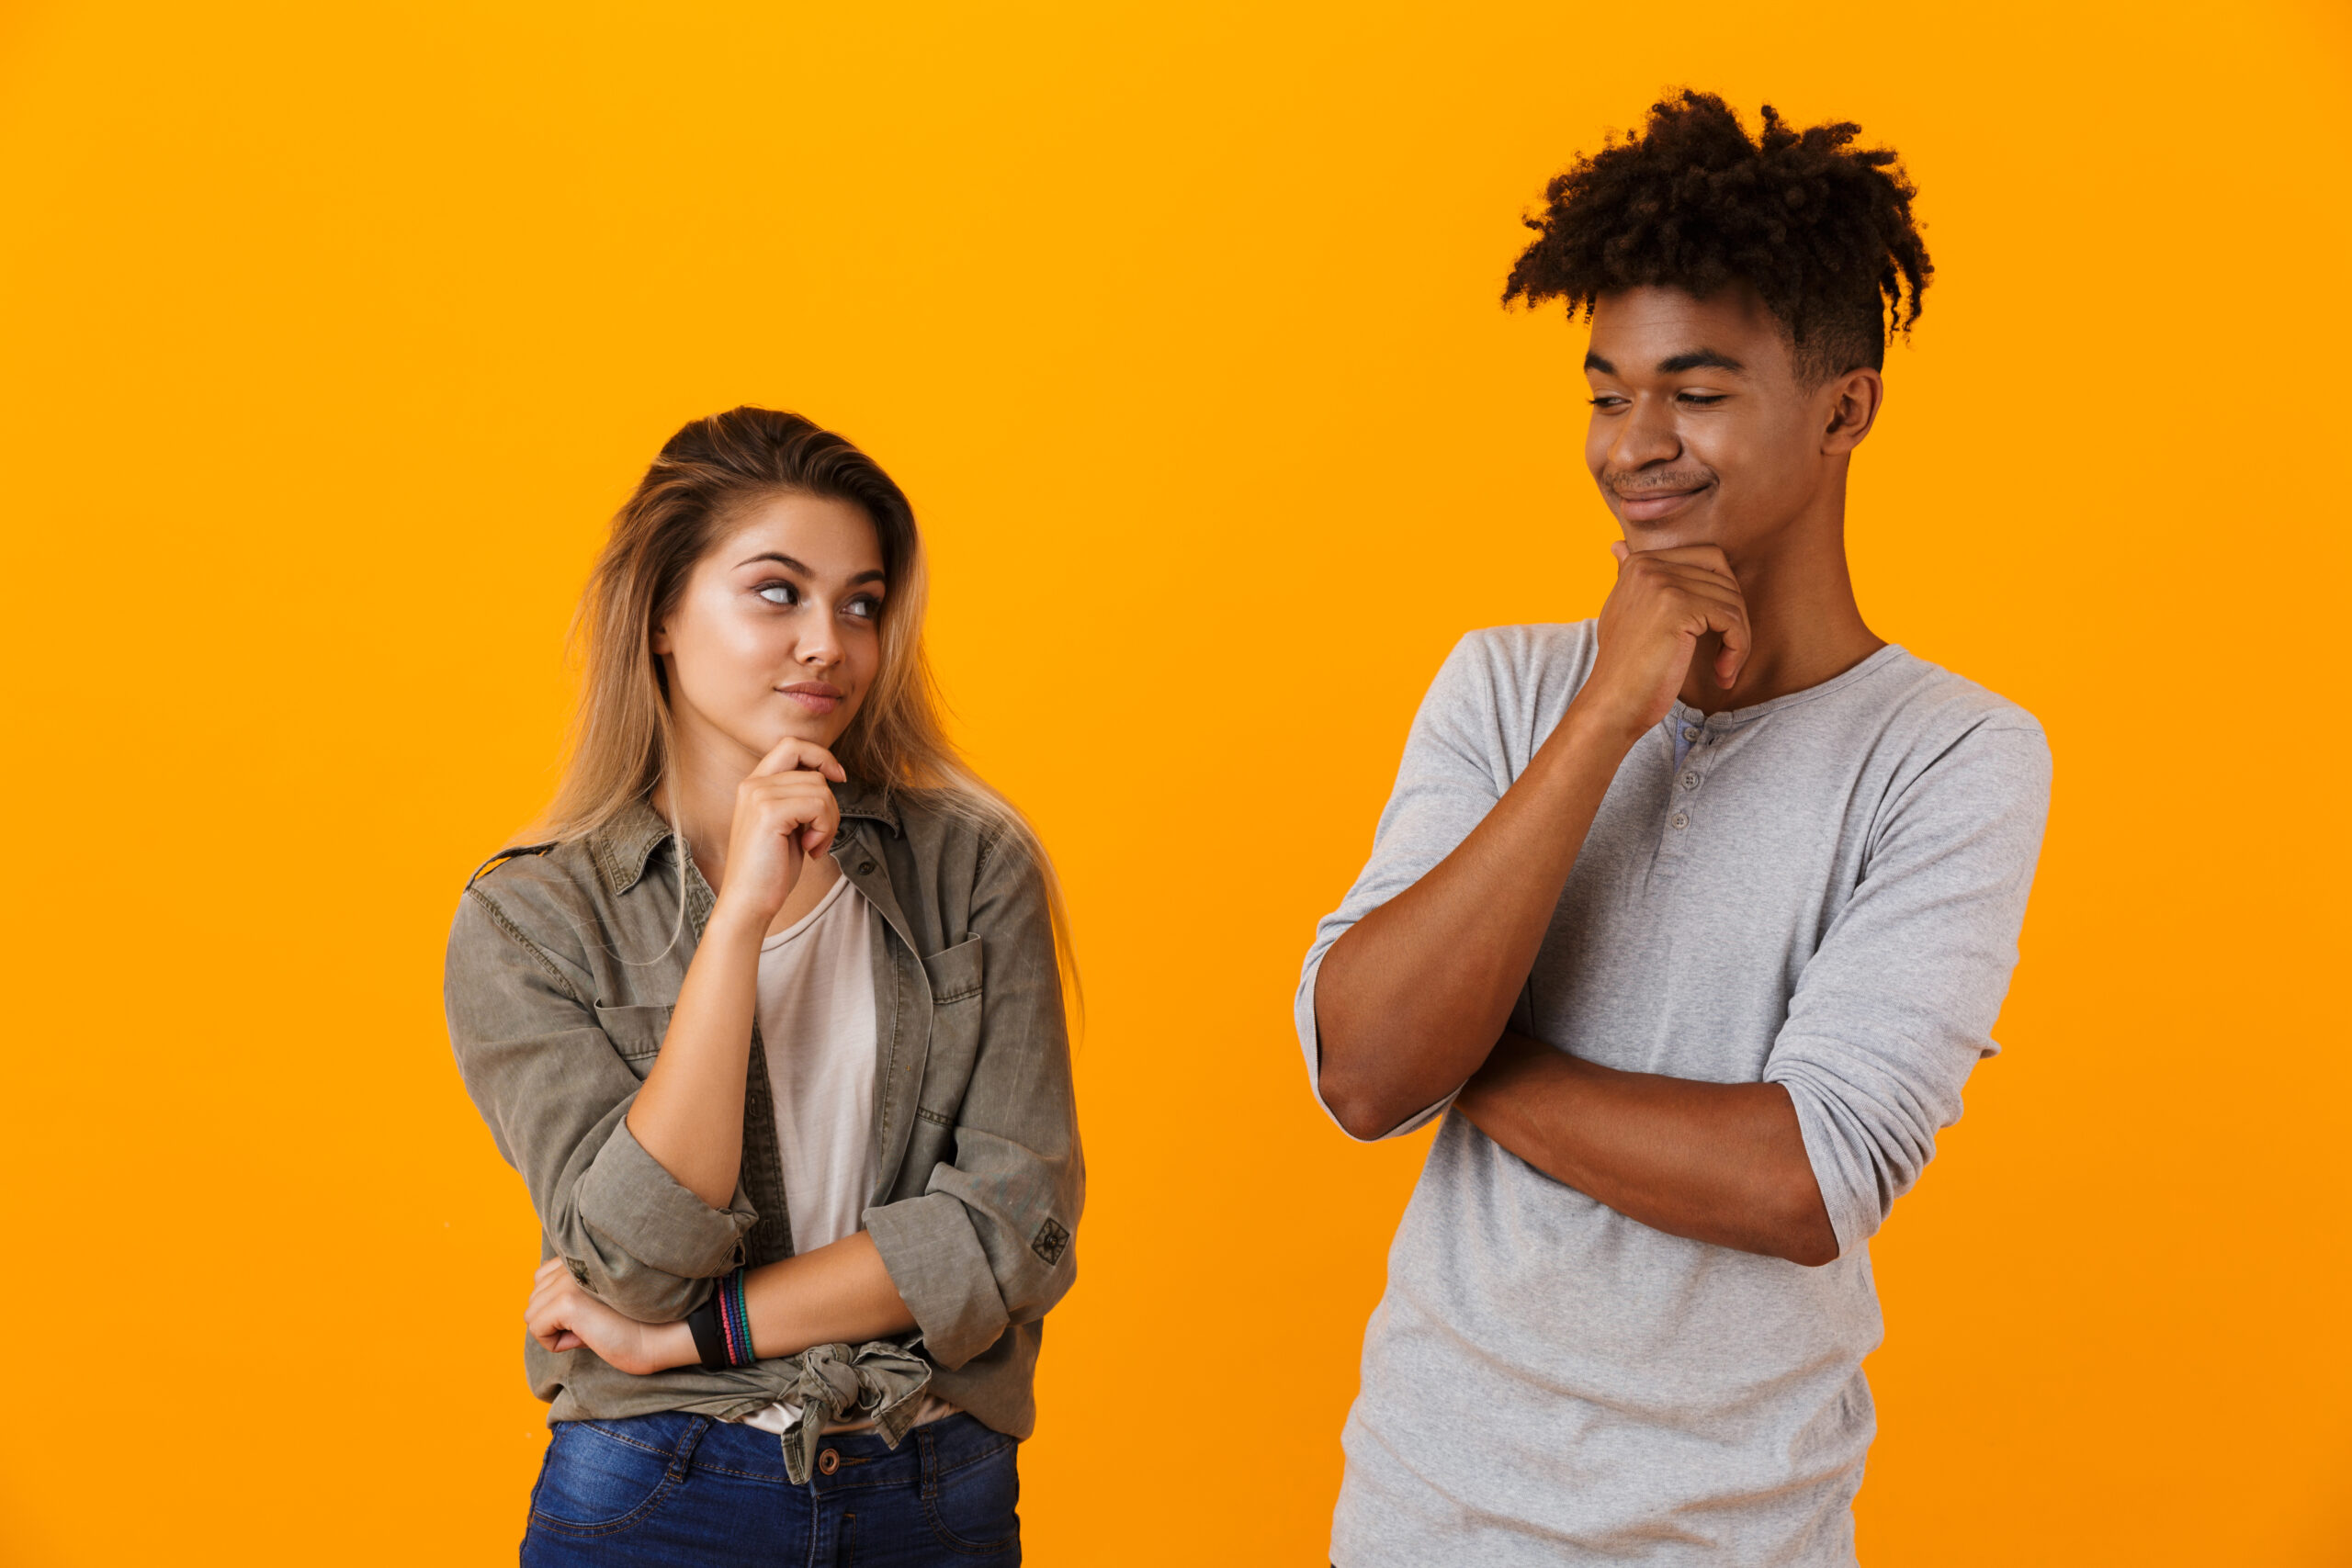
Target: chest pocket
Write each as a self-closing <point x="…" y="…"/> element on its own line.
<point x="636" y="1033"/>
<point x="954" y="977"/>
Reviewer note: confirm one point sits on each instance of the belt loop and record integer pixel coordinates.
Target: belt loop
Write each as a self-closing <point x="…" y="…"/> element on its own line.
<point x="929" y="1449"/>
<point x="682" y="1457"/>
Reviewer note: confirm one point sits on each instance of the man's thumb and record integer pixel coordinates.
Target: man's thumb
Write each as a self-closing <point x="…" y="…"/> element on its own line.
<point x="1617" y="547"/>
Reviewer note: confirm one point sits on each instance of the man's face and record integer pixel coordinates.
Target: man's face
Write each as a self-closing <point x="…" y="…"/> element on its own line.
<point x="1701" y="433"/>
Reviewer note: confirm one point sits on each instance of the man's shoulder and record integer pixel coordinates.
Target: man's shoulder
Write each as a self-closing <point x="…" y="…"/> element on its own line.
<point x="1940" y="701"/>
<point x="1950" y="740"/>
<point x="1533" y="646"/>
<point x="1514" y="667"/>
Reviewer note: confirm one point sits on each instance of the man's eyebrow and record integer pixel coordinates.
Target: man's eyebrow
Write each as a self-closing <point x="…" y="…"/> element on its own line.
<point x="1594" y="362"/>
<point x="1699" y="359"/>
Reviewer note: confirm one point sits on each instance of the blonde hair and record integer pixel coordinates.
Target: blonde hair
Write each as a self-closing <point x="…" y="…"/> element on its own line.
<point x="621" y="746"/>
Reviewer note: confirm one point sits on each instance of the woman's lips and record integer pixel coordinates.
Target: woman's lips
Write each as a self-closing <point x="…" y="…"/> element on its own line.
<point x="817" y="699"/>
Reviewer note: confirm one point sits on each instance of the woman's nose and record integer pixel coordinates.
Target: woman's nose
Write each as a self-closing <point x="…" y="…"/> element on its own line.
<point x="819" y="645"/>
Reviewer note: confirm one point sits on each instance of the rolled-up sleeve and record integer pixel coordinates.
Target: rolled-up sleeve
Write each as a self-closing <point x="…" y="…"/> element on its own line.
<point x="556" y="1094"/>
<point x="992" y="1240"/>
<point x="1897" y="1004"/>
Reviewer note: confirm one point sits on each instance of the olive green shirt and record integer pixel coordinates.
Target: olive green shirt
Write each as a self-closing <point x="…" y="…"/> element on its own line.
<point x="564" y="964"/>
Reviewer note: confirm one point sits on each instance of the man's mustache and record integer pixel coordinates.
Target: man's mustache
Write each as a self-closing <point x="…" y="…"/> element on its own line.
<point x="1634" y="485"/>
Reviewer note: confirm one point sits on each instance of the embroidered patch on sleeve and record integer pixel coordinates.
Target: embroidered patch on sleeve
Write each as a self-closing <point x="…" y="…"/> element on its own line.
<point x="1050" y="1242"/>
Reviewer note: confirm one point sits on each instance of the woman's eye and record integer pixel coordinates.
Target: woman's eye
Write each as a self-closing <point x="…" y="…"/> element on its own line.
<point x="783" y="594"/>
<point x="864" y="609"/>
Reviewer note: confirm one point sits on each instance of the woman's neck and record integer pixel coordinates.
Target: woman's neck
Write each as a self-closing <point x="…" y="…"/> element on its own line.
<point x="698" y="794"/>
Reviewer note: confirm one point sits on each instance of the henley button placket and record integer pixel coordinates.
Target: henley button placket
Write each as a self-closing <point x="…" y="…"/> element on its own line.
<point x="1674" y="837"/>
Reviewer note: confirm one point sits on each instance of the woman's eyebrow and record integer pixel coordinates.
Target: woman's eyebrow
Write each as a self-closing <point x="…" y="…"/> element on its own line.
<point x="874" y="575"/>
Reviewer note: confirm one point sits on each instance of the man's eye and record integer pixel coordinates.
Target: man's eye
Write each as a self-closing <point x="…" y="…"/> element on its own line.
<point x="778" y="594"/>
<point x="1606" y="400"/>
<point x="1703" y="400"/>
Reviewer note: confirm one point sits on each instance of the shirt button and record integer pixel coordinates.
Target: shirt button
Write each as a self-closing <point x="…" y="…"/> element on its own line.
<point x="829" y="1461"/>
<point x="1688" y="733"/>
<point x="1680" y="819"/>
<point x="1691" y="781"/>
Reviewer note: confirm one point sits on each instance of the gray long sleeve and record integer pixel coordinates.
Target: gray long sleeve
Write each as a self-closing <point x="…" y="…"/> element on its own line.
<point x="1825" y="892"/>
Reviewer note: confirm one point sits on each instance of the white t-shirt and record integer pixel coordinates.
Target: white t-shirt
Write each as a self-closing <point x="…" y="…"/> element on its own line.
<point x="817" y="1023"/>
<point x="817" y="1026"/>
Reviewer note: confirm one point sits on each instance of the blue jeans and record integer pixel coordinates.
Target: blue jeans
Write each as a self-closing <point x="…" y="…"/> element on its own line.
<point x="663" y="1490"/>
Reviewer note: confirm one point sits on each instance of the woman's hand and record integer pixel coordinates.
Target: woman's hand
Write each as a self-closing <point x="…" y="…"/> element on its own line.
<point x="564" y="1316"/>
<point x="784" y="812"/>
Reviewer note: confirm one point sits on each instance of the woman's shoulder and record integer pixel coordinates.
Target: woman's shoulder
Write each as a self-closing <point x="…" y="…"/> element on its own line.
<point x="538" y="894"/>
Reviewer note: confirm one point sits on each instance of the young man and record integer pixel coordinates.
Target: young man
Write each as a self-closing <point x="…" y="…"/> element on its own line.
<point x="1694" y="916"/>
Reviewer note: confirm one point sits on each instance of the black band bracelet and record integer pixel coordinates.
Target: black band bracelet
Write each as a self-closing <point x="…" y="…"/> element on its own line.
<point x="710" y="1338"/>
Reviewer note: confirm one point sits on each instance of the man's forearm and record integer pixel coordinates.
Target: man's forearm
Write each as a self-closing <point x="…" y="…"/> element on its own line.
<point x="1721" y="1163"/>
<point x="1410" y="999"/>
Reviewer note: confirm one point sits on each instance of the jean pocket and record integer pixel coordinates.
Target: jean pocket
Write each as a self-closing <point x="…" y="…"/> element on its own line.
<point x="597" y="1481"/>
<point x="974" y="1507"/>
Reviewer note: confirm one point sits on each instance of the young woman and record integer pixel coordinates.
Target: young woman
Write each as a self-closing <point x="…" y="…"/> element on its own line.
<point x="772" y="1027"/>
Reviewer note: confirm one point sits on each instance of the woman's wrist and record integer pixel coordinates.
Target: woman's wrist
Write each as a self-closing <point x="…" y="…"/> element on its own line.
<point x="669" y="1344"/>
<point x="731" y="922"/>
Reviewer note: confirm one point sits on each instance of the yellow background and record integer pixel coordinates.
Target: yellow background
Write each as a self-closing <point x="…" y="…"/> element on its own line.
<point x="333" y="334"/>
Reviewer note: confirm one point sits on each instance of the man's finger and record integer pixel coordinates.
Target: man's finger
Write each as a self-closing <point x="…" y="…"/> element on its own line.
<point x="1733" y="655"/>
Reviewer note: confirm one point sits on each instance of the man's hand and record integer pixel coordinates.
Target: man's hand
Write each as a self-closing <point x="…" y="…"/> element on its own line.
<point x="1663" y="602"/>
<point x="562" y="1316"/>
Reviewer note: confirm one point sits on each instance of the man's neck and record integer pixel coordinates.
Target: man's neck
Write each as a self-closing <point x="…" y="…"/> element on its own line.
<point x="1801" y="614"/>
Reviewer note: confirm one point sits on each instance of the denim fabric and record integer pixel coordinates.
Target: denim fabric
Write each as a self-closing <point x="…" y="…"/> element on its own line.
<point x="658" y="1491"/>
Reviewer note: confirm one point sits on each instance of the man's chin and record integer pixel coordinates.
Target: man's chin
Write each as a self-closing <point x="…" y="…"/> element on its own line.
<point x="1672" y="533"/>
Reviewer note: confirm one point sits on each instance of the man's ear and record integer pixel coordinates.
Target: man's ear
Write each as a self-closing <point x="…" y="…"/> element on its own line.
<point x="1850" y="405"/>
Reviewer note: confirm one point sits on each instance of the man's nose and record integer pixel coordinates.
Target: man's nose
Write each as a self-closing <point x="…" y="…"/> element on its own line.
<point x="1644" y="436"/>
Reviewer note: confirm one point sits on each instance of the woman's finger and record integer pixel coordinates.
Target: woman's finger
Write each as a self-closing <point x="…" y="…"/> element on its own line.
<point x="793" y="754"/>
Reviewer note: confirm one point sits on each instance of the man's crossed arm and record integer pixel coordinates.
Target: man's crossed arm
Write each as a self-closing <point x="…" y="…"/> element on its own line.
<point x="1413" y="1000"/>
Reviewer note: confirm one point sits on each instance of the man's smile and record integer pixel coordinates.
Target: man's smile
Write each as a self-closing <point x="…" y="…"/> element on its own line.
<point x="1655" y="503"/>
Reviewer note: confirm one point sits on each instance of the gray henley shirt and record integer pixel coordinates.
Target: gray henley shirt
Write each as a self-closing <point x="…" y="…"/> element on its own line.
<point x="1823" y="892"/>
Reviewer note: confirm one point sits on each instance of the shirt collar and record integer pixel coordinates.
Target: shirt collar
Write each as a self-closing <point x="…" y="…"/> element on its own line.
<point x="623" y="846"/>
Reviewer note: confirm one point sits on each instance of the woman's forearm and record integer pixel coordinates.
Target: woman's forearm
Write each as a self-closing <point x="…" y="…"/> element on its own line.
<point x="689" y="1114"/>
<point x="839" y="1293"/>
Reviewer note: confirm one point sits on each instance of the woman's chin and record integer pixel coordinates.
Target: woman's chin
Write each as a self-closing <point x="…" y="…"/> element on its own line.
<point x="815" y="729"/>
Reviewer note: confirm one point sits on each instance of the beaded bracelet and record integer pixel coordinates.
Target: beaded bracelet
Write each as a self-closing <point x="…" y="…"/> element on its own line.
<point x="735" y="1318"/>
<point x="721" y="1326"/>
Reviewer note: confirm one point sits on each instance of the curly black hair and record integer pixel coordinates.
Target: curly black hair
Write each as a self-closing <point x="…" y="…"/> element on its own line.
<point x="1821" y="229"/>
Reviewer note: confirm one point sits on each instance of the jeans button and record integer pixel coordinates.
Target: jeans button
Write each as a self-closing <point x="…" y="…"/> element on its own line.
<point x="829" y="1461"/>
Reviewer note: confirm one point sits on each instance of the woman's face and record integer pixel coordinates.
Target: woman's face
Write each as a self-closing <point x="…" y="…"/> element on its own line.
<point x="778" y="632"/>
